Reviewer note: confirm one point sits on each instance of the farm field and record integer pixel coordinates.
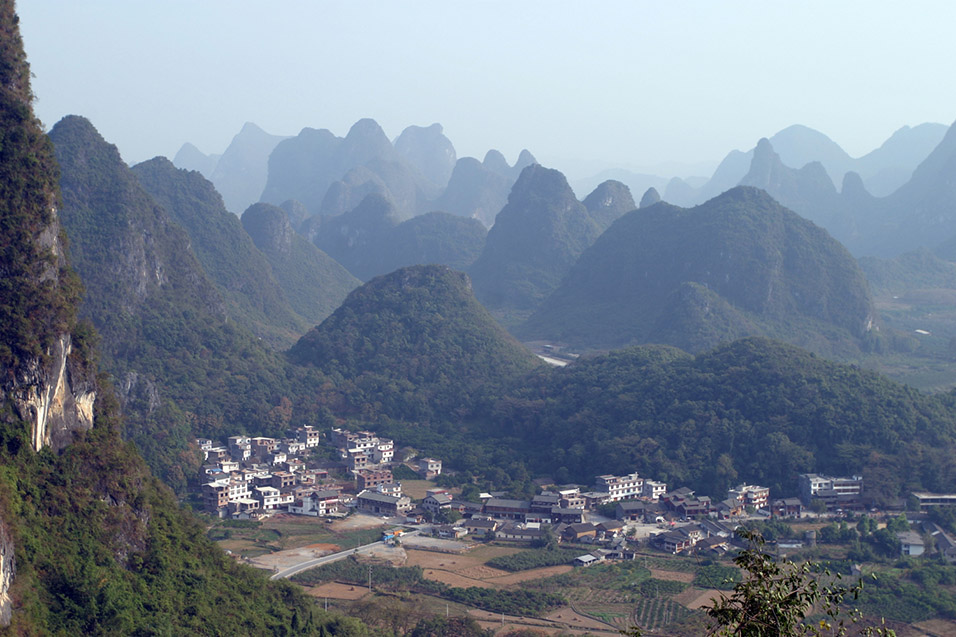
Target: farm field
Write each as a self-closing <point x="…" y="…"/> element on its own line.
<point x="601" y="599"/>
<point x="250" y="539"/>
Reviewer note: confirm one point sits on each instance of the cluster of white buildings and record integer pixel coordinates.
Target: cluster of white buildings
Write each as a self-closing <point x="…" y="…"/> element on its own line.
<point x="255" y="476"/>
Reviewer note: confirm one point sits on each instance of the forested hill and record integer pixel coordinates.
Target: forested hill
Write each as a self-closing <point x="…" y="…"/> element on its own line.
<point x="314" y="282"/>
<point x="90" y="542"/>
<point x="756" y="410"/>
<point x="738" y="265"/>
<point x="241" y="273"/>
<point x="182" y="367"/>
<point x="418" y="344"/>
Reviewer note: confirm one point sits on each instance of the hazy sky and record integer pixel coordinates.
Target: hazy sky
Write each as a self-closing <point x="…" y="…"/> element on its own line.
<point x="625" y="83"/>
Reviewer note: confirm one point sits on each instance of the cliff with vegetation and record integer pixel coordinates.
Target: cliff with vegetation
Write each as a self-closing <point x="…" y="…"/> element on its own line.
<point x="90" y="542"/>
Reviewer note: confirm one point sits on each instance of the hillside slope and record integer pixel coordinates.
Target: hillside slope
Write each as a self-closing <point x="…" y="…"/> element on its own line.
<point x="753" y="267"/>
<point x="418" y="340"/>
<point x="241" y="273"/>
<point x="90" y="542"/>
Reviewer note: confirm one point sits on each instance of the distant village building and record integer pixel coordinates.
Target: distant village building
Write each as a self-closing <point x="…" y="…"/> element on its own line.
<point x="316" y="504"/>
<point x="843" y="492"/>
<point x="371" y="478"/>
<point x="620" y="487"/>
<point x="928" y="501"/>
<point x="654" y="490"/>
<point x="429" y="468"/>
<point x="381" y="504"/>
<point x="750" y="495"/>
<point x="911" y="543"/>
<point x="308" y="435"/>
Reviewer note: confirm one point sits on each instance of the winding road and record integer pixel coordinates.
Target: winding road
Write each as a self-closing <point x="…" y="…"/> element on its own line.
<point x="327" y="559"/>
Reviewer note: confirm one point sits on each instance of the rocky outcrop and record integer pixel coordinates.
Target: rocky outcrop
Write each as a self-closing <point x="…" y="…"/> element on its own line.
<point x="56" y="401"/>
<point x="8" y="570"/>
<point x="608" y="201"/>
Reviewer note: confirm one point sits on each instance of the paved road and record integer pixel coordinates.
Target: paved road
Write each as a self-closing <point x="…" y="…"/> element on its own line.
<point x="327" y="559"/>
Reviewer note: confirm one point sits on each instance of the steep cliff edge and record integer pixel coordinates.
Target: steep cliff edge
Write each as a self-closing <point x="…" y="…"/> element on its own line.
<point x="90" y="542"/>
<point x="43" y="383"/>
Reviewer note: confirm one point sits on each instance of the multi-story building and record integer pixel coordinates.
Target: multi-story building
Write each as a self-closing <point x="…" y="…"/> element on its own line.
<point x="750" y="495"/>
<point x="317" y="503"/>
<point x="620" y="487"/>
<point x="383" y="452"/>
<point x="429" y="468"/>
<point x="832" y="491"/>
<point x="371" y="478"/>
<point x="282" y="480"/>
<point x="929" y="501"/>
<point x="308" y="435"/>
<point x="653" y="490"/>
<point x="269" y="498"/>
<point x="240" y="448"/>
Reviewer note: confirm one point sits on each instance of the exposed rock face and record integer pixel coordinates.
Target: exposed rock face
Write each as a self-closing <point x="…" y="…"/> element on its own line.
<point x="8" y="570"/>
<point x="608" y="201"/>
<point x="58" y="401"/>
<point x="269" y="228"/>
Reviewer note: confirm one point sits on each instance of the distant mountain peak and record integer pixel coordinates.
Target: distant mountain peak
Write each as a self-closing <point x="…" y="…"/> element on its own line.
<point x="650" y="197"/>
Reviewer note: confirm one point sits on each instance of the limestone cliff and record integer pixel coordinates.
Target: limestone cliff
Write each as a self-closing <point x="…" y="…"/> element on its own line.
<point x="54" y="399"/>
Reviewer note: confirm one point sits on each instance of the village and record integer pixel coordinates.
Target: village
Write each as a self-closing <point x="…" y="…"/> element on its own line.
<point x="256" y="477"/>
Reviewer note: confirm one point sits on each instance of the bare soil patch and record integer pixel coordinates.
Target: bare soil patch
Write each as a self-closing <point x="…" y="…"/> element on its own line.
<point x="695" y="598"/>
<point x="454" y="579"/>
<point x="535" y="573"/>
<point x="454" y="563"/>
<point x="328" y="548"/>
<point x="357" y="521"/>
<point x="673" y="576"/>
<point x="485" y="552"/>
<point x="290" y="557"/>
<point x="427" y="543"/>
<point x="335" y="590"/>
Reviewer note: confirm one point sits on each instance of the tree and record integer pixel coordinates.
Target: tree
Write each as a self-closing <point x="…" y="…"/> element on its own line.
<point x="774" y="599"/>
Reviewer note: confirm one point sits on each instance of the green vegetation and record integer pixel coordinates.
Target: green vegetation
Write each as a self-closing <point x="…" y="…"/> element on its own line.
<point x="185" y="369"/>
<point x="738" y="265"/>
<point x="535" y="240"/>
<point x="313" y="282"/>
<point x="655" y="613"/>
<point x="774" y="598"/>
<point x="370" y="241"/>
<point x="535" y="558"/>
<point x="37" y="291"/>
<point x="100" y="546"/>
<point x="240" y="272"/>
<point x="755" y="410"/>
<point x="414" y="343"/>
<point x="717" y="576"/>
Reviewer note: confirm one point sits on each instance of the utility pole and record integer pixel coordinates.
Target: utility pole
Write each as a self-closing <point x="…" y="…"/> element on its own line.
<point x="369" y="578"/>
